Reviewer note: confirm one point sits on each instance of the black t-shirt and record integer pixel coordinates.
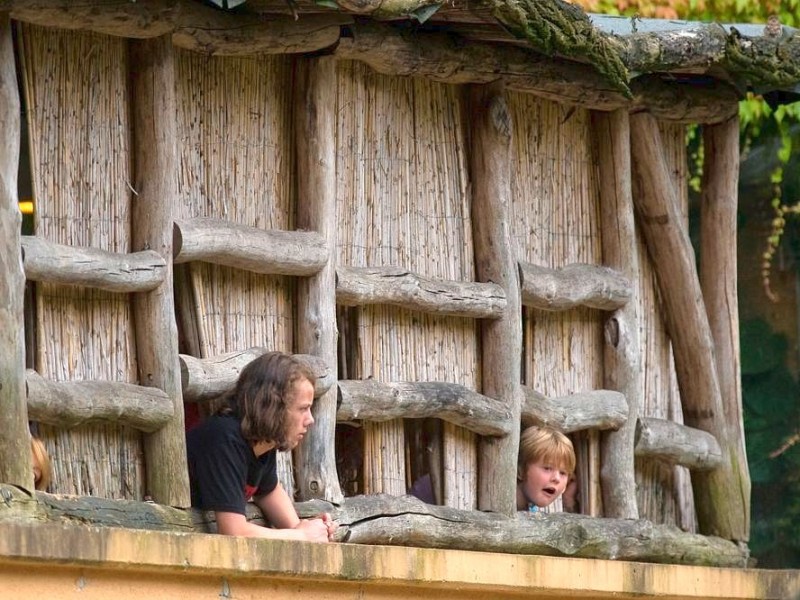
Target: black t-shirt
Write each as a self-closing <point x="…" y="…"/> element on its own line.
<point x="223" y="471"/>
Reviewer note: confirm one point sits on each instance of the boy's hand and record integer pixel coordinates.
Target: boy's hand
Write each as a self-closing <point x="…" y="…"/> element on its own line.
<point x="314" y="530"/>
<point x="329" y="523"/>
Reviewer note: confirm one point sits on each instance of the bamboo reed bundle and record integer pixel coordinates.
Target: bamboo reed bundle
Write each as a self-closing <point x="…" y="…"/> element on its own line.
<point x="76" y="92"/>
<point x="235" y="157"/>
<point x="404" y="202"/>
<point x="555" y="222"/>
<point x="664" y="492"/>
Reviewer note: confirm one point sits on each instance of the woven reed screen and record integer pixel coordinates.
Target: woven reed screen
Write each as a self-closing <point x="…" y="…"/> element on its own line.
<point x="664" y="493"/>
<point x="236" y="163"/>
<point x="555" y="222"/>
<point x="403" y="201"/>
<point x="76" y="91"/>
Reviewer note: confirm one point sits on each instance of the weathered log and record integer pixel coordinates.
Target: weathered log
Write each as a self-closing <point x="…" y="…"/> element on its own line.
<point x="406" y="521"/>
<point x="448" y="59"/>
<point x="71" y="403"/>
<point x="621" y="352"/>
<point x="718" y="280"/>
<point x="676" y="444"/>
<point x="490" y="160"/>
<point x="315" y="137"/>
<point x="155" y="163"/>
<point x="50" y="262"/>
<point x="599" y="409"/>
<point x="371" y="400"/>
<point x="193" y="26"/>
<point x="203" y="379"/>
<point x="396" y="286"/>
<point x="242" y="247"/>
<point x="15" y="465"/>
<point x="720" y="495"/>
<point x="572" y="286"/>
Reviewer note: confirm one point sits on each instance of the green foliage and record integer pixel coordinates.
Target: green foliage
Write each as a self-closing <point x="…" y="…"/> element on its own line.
<point x="771" y="413"/>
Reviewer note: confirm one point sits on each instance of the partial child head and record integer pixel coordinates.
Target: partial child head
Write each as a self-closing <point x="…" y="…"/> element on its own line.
<point x="273" y="398"/>
<point x="41" y="464"/>
<point x="546" y="461"/>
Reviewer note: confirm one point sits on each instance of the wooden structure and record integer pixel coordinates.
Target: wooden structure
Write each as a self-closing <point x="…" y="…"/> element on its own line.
<point x="471" y="223"/>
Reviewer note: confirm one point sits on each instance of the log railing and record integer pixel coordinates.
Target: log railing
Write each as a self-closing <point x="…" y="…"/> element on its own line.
<point x="572" y="286"/>
<point x="71" y="403"/>
<point x="50" y="262"/>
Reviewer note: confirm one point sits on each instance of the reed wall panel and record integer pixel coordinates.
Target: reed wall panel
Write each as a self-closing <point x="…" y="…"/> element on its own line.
<point x="555" y="221"/>
<point x="236" y="162"/>
<point x="664" y="492"/>
<point x="403" y="201"/>
<point x="76" y="91"/>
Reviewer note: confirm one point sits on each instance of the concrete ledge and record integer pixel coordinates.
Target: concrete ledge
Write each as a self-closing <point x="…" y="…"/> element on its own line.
<point x="49" y="561"/>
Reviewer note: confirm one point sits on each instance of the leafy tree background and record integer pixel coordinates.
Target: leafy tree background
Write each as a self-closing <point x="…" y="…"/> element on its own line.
<point x="769" y="194"/>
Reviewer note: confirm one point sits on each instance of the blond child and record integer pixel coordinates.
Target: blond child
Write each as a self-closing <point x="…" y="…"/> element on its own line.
<point x="41" y="465"/>
<point x="546" y="463"/>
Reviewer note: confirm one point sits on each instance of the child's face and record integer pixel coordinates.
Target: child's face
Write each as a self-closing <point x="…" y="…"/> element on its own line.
<point x="542" y="483"/>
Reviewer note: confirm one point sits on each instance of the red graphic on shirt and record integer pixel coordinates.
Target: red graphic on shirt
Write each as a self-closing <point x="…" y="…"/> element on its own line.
<point x="249" y="490"/>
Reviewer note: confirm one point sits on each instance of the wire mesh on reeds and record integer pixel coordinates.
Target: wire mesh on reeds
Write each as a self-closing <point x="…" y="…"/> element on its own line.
<point x="76" y="91"/>
<point x="403" y="201"/>
<point x="555" y="221"/>
<point x="664" y="492"/>
<point x="236" y="163"/>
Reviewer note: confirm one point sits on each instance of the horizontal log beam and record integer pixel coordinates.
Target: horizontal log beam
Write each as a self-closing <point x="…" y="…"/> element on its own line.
<point x="676" y="444"/>
<point x="448" y="59"/>
<point x="371" y="400"/>
<point x="573" y="286"/>
<point x="204" y="379"/>
<point x="193" y="26"/>
<point x="49" y="262"/>
<point x="71" y="403"/>
<point x="249" y="248"/>
<point x="406" y="521"/>
<point x="399" y="287"/>
<point x="599" y="409"/>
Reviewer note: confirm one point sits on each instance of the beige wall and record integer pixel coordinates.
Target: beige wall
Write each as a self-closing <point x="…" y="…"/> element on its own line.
<point x="56" y="561"/>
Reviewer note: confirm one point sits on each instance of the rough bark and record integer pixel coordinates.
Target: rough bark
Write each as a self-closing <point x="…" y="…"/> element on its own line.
<point x="622" y="349"/>
<point x="396" y="286"/>
<point x="720" y="497"/>
<point x="450" y="59"/>
<point x="50" y="262"/>
<point x="249" y="248"/>
<point x="155" y="163"/>
<point x="501" y="348"/>
<point x="370" y="400"/>
<point x="203" y="379"/>
<point x="677" y="444"/>
<point x="406" y="521"/>
<point x="573" y="286"/>
<point x="71" y="403"/>
<point x="718" y="280"/>
<point x="315" y="135"/>
<point x="599" y="409"/>
<point x="15" y="466"/>
<point x="193" y="26"/>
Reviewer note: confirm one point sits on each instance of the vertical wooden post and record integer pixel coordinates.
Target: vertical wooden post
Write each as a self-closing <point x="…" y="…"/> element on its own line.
<point x="718" y="280"/>
<point x="623" y="362"/>
<point x="490" y="148"/>
<point x="315" y="139"/>
<point x="15" y="447"/>
<point x="155" y="169"/>
<point x="720" y="496"/>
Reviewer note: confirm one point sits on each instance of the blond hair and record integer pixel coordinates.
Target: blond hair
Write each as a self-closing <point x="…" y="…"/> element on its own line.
<point x="41" y="460"/>
<point x="545" y="444"/>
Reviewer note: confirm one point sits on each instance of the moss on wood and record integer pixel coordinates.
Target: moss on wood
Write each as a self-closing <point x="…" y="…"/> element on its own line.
<point x="555" y="27"/>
